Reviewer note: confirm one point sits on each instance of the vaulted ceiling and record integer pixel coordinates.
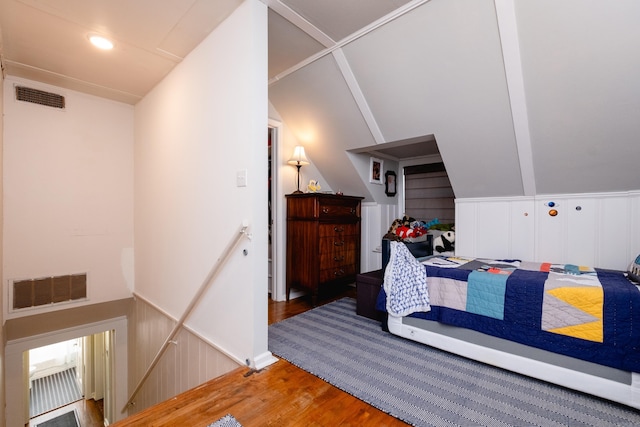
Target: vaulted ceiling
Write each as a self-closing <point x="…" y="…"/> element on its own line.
<point x="522" y="97"/>
<point x="518" y="97"/>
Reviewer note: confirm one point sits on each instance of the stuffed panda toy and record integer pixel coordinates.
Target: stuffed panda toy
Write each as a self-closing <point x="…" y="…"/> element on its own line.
<point x="444" y="242"/>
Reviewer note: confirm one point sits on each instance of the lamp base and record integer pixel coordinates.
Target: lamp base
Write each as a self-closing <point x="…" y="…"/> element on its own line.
<point x="297" y="192"/>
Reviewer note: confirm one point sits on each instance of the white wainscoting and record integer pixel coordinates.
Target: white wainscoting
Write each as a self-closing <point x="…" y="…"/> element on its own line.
<point x="598" y="229"/>
<point x="495" y="228"/>
<point x="188" y="361"/>
<point x="376" y="219"/>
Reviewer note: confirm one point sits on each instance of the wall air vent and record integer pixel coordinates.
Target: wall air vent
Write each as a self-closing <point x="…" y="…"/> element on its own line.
<point x="49" y="290"/>
<point x="41" y="97"/>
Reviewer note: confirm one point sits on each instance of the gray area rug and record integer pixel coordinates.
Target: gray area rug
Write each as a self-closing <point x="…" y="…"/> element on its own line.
<point x="424" y="386"/>
<point x="226" y="421"/>
<point x="53" y="391"/>
<point x="68" y="419"/>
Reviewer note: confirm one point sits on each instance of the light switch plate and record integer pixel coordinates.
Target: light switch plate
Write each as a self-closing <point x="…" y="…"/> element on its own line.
<point x="241" y="178"/>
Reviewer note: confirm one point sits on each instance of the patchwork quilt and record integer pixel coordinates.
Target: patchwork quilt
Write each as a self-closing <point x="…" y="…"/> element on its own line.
<point x="582" y="312"/>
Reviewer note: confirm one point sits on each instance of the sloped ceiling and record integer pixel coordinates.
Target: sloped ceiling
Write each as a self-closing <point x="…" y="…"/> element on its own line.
<point x="581" y="63"/>
<point x="521" y="97"/>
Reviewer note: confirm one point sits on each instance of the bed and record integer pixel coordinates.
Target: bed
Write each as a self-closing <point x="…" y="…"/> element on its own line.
<point x="573" y="326"/>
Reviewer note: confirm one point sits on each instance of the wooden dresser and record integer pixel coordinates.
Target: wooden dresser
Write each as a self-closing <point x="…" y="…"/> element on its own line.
<point x="323" y="241"/>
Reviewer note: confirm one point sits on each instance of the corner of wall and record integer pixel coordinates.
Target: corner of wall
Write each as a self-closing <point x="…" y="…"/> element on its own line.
<point x="2" y="339"/>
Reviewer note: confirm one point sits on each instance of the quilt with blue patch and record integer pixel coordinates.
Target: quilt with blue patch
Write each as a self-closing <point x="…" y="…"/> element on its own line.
<point x="578" y="311"/>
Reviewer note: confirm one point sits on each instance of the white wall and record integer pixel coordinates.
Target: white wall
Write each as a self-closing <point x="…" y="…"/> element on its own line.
<point x="598" y="230"/>
<point x="68" y="193"/>
<point x="204" y="123"/>
<point x="288" y="173"/>
<point x="2" y="296"/>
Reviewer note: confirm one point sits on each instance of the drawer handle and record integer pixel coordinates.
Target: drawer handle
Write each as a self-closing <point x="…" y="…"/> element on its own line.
<point x="325" y="210"/>
<point x="338" y="229"/>
<point x="339" y="272"/>
<point x="338" y="258"/>
<point x="340" y="243"/>
<point x="353" y="210"/>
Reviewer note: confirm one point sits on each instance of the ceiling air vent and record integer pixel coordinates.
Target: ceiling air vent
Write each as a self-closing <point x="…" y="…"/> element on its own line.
<point x="41" y="97"/>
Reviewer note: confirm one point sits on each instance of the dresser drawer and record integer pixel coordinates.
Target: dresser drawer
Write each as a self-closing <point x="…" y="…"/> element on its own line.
<point x="337" y="259"/>
<point x="337" y="272"/>
<point x="339" y="209"/>
<point x="329" y="245"/>
<point x="327" y="230"/>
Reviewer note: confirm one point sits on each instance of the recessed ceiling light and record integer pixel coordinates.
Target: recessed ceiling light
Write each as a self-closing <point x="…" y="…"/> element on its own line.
<point x="101" y="42"/>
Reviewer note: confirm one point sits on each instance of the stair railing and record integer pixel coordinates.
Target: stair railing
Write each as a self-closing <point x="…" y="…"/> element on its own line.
<point x="194" y="301"/>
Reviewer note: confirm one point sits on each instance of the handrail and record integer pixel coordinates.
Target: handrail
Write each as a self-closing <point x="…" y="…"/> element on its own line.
<point x="203" y="287"/>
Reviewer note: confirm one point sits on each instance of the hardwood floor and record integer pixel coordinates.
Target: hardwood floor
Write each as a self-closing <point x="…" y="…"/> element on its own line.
<point x="279" y="395"/>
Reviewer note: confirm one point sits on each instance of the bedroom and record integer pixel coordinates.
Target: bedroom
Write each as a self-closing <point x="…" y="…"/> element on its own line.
<point x="574" y="135"/>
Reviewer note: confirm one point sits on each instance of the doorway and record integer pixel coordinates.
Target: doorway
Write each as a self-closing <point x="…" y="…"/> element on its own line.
<point x="271" y="136"/>
<point x="276" y="215"/>
<point x="17" y="372"/>
<point x="63" y="373"/>
<point x="55" y="376"/>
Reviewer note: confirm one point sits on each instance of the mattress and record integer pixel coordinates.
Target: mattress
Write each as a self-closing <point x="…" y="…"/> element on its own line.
<point x="575" y="311"/>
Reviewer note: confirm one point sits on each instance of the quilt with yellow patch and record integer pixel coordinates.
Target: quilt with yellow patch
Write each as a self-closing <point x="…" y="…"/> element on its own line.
<point x="582" y="312"/>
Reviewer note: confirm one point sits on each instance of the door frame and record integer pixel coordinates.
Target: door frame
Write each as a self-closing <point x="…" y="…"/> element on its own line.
<point x="278" y="290"/>
<point x="15" y="349"/>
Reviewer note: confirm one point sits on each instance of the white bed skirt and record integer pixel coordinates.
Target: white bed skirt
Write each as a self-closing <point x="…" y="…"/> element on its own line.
<point x="627" y="394"/>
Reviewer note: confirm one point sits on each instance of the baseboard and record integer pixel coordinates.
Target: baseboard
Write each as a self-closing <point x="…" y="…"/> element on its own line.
<point x="263" y="360"/>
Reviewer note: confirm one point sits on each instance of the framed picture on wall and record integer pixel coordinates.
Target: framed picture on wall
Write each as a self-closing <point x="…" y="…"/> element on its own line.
<point x="390" y="183"/>
<point x="375" y="171"/>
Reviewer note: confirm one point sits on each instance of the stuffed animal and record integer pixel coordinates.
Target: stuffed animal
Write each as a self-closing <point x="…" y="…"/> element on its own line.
<point x="314" y="186"/>
<point x="419" y="231"/>
<point x="427" y="225"/>
<point x="407" y="220"/>
<point x="403" y="232"/>
<point x="444" y="242"/>
<point x="392" y="232"/>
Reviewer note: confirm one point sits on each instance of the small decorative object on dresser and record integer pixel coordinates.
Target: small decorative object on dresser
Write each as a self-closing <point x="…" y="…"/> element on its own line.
<point x="323" y="241"/>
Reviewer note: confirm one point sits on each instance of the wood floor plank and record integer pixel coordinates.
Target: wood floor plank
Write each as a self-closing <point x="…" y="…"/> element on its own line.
<point x="279" y="395"/>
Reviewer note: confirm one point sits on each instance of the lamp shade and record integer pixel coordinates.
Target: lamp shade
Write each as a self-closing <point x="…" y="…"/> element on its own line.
<point x="298" y="158"/>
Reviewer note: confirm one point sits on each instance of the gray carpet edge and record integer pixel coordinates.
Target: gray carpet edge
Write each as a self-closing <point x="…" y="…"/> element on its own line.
<point x="226" y="421"/>
<point x="291" y="338"/>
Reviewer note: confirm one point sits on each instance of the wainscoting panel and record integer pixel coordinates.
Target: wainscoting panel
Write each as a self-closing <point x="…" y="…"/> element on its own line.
<point x="597" y="229"/>
<point x="376" y="219"/>
<point x="495" y="228"/>
<point x="188" y="361"/>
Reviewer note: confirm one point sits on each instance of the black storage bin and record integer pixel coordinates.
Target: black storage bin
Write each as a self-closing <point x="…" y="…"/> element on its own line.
<point x="418" y="249"/>
<point x="367" y="288"/>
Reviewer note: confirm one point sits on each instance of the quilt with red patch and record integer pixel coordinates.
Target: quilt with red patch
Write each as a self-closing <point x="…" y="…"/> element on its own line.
<point x="582" y="312"/>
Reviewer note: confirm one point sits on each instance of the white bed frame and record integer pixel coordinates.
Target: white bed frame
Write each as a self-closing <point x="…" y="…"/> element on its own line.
<point x="621" y="392"/>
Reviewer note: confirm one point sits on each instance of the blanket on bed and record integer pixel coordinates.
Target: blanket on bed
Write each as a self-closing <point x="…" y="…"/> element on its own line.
<point x="578" y="311"/>
<point x="405" y="283"/>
